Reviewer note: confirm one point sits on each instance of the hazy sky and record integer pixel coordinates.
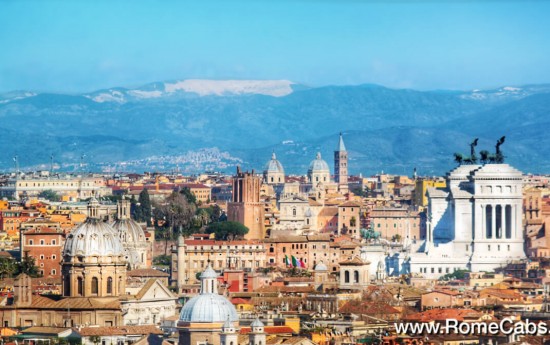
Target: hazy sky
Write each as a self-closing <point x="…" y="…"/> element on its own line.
<point x="78" y="46"/>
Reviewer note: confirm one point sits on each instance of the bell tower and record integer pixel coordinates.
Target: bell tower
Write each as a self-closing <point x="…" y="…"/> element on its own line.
<point x="246" y="206"/>
<point x="341" y="165"/>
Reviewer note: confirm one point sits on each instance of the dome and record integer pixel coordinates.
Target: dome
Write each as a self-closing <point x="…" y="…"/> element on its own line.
<point x="257" y="323"/>
<point x="318" y="165"/>
<point x="274" y="166"/>
<point x="93" y="238"/>
<point x="208" y="308"/>
<point x="321" y="267"/>
<point x="129" y="231"/>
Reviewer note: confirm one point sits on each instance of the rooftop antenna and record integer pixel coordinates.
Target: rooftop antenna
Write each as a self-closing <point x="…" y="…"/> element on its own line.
<point x="82" y="162"/>
<point x="51" y="164"/>
<point x="16" y="163"/>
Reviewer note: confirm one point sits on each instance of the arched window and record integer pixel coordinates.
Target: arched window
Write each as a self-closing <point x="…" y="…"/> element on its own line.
<point x="42" y="242"/>
<point x="80" y="286"/>
<point x="53" y="272"/>
<point x="346" y="277"/>
<point x="31" y="242"/>
<point x="294" y="212"/>
<point x="95" y="286"/>
<point x="53" y="242"/>
<point x="356" y="276"/>
<point x="109" y="285"/>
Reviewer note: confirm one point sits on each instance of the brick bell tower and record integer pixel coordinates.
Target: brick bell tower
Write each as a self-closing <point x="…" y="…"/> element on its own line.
<point x="341" y="166"/>
<point x="246" y="206"/>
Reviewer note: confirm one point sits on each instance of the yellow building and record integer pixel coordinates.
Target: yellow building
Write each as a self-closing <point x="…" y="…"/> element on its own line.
<point x="420" y="198"/>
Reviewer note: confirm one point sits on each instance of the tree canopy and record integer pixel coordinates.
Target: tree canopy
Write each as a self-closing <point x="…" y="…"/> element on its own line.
<point x="143" y="210"/>
<point x="49" y="195"/>
<point x="227" y="230"/>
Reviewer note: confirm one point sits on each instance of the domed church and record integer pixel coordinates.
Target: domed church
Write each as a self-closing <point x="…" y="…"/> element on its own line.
<point x="203" y="316"/>
<point x="94" y="264"/>
<point x="212" y="319"/>
<point x="94" y="259"/>
<point x="132" y="237"/>
<point x="274" y="173"/>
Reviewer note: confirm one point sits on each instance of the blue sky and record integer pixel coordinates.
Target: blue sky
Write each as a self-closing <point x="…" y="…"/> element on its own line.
<point x="80" y="46"/>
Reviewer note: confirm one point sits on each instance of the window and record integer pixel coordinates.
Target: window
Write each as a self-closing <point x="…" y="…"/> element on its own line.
<point x="53" y="242"/>
<point x="109" y="285"/>
<point x="42" y="242"/>
<point x="95" y="285"/>
<point x="80" y="286"/>
<point x="41" y="257"/>
<point x="53" y="272"/>
<point x="31" y="242"/>
<point x="271" y="250"/>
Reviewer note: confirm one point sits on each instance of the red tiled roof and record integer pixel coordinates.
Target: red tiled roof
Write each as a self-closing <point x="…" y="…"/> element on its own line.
<point x="122" y="330"/>
<point x="442" y="315"/>
<point x="370" y="308"/>
<point x="238" y="300"/>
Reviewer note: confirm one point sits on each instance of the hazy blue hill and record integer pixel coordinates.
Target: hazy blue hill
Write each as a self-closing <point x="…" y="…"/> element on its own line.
<point x="386" y="129"/>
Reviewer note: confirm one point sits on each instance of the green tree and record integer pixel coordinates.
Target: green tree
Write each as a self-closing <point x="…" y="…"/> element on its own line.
<point x="174" y="216"/>
<point x="143" y="209"/>
<point x="227" y="230"/>
<point x="216" y="214"/>
<point x="8" y="267"/>
<point x="28" y="266"/>
<point x="188" y="195"/>
<point x="458" y="274"/>
<point x="50" y="195"/>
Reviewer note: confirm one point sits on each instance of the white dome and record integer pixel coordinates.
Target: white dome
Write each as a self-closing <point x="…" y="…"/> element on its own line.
<point x="321" y="267"/>
<point x="128" y="231"/>
<point x="274" y="166"/>
<point x="93" y="238"/>
<point x="208" y="308"/>
<point x="257" y="323"/>
<point x="318" y="165"/>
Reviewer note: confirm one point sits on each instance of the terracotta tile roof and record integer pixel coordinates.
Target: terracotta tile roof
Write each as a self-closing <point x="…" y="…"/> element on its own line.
<point x="121" y="330"/>
<point x="240" y="301"/>
<point x="443" y="314"/>
<point x="329" y="212"/>
<point x="369" y="308"/>
<point x="445" y="292"/>
<point x="147" y="272"/>
<point x="44" y="330"/>
<point x="82" y="303"/>
<point x="355" y="260"/>
<point x="350" y="204"/>
<point x="269" y="330"/>
<point x="286" y="289"/>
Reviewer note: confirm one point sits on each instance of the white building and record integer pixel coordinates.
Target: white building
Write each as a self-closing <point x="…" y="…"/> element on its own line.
<point x="473" y="224"/>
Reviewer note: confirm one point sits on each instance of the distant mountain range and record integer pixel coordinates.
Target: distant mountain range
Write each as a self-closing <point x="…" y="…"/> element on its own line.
<point x="204" y="124"/>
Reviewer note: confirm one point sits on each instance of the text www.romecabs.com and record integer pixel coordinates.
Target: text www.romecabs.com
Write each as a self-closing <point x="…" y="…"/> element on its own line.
<point x="453" y="326"/>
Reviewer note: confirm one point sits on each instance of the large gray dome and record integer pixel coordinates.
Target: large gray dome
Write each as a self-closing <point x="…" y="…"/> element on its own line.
<point x="93" y="238"/>
<point x="129" y="231"/>
<point x="208" y="308"/>
<point x="318" y="164"/>
<point x="274" y="166"/>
